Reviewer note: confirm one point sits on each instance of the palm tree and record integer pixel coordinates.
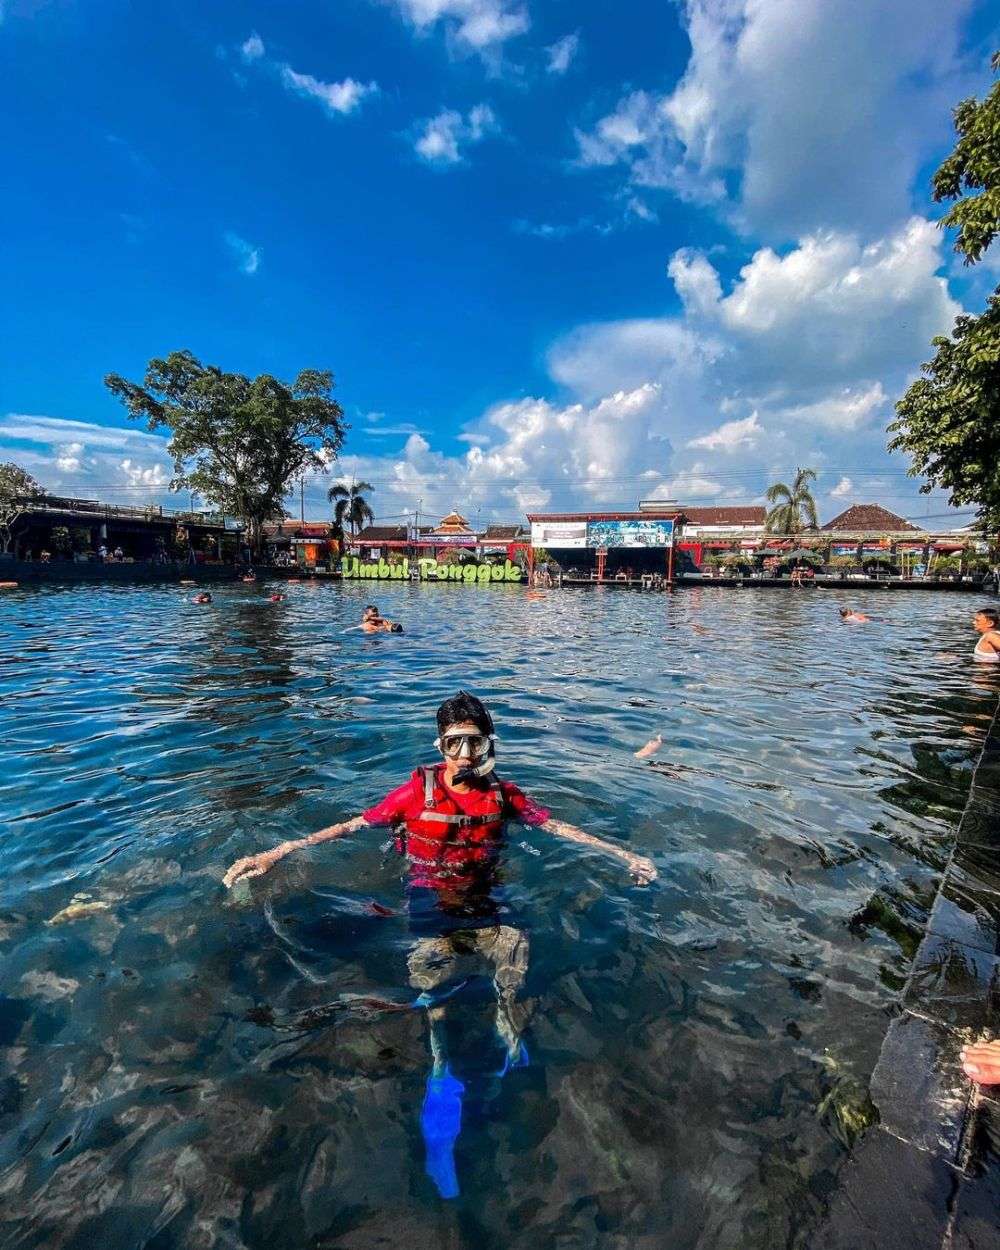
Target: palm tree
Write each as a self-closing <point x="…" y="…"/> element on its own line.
<point x="794" y="507"/>
<point x="351" y="507"/>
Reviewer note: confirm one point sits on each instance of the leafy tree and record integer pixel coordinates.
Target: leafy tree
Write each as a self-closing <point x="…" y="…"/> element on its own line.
<point x="61" y="540"/>
<point x="351" y="508"/>
<point x="17" y="487"/>
<point x="974" y="165"/>
<point x="239" y="442"/>
<point x="794" y="507"/>
<point x="949" y="419"/>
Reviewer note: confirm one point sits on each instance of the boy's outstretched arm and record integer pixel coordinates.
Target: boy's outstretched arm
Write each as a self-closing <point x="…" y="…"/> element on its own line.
<point x="641" y="868"/>
<point x="257" y="865"/>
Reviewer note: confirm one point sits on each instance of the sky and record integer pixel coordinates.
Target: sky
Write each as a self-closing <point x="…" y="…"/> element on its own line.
<point x="559" y="254"/>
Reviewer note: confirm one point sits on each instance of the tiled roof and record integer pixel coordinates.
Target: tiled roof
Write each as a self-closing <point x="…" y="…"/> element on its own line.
<point x="382" y="534"/>
<point x="502" y="531"/>
<point x="868" y="518"/>
<point x="453" y="523"/>
<point x="742" y="514"/>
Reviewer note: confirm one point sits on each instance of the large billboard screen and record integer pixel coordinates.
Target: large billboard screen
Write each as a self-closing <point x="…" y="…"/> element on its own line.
<point x="558" y="534"/>
<point x="637" y="533"/>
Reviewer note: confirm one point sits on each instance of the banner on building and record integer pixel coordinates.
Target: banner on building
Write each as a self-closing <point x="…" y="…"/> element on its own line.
<point x="559" y="534"/>
<point x="633" y="533"/>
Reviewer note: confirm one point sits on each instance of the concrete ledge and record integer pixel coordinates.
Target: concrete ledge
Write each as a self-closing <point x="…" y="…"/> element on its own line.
<point x="928" y="1174"/>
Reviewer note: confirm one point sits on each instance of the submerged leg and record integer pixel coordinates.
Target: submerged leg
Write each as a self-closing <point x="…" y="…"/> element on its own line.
<point x="507" y="950"/>
<point x="432" y="962"/>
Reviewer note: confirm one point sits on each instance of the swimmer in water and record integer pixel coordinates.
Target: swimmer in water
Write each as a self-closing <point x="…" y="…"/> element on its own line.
<point x="849" y="616"/>
<point x="449" y="820"/>
<point x="277" y="597"/>
<point x="204" y="597"/>
<point x="372" y="623"/>
<point x="987" y="622"/>
<point x="250" y="577"/>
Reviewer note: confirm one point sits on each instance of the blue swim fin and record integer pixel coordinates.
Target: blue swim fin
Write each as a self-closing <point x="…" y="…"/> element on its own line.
<point x="441" y="1122"/>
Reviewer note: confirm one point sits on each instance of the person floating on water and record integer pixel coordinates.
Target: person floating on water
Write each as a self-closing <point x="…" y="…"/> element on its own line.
<point x="277" y="597"/>
<point x="203" y="597"/>
<point x="852" y="617"/>
<point x="987" y="622"/>
<point x="449" y="820"/>
<point x="372" y="623"/>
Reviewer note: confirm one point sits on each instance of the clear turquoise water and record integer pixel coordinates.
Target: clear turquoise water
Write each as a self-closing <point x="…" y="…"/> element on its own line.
<point x="186" y="1068"/>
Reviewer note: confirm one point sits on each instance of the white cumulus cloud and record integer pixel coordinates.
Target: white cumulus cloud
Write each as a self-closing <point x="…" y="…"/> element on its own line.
<point x="731" y="435"/>
<point x="476" y="24"/>
<point x="843" y="489"/>
<point x="562" y="52"/>
<point x="336" y="97"/>
<point x="443" y="138"/>
<point x="252" y="48"/>
<point x="247" y="254"/>
<point x="801" y="113"/>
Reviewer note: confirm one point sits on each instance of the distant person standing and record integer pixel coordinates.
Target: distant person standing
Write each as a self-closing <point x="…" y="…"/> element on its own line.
<point x="102" y="553"/>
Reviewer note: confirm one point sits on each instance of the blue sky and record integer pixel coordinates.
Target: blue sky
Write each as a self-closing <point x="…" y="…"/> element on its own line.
<point x="557" y="254"/>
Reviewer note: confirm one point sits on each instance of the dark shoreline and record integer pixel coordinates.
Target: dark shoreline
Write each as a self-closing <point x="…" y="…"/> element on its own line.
<point x="928" y="1174"/>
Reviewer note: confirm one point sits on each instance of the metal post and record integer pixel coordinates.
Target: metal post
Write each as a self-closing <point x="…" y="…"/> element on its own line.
<point x="302" y="499"/>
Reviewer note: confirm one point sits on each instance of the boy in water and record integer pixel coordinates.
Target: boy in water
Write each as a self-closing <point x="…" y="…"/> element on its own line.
<point x="372" y="623"/>
<point x="449" y="821"/>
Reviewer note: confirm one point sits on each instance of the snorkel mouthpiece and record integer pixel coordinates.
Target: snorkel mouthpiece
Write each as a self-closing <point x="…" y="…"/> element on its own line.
<point x="471" y="771"/>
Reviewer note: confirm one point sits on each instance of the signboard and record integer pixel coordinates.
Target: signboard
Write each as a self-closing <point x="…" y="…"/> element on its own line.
<point x="429" y="570"/>
<point x="442" y="540"/>
<point x="634" y="533"/>
<point x="559" y="534"/>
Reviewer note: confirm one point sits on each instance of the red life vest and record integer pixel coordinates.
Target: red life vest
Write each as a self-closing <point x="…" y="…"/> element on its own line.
<point x="445" y="835"/>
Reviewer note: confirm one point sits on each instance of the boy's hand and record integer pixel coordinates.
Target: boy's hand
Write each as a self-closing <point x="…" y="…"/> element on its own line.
<point x="643" y="870"/>
<point x="250" y="866"/>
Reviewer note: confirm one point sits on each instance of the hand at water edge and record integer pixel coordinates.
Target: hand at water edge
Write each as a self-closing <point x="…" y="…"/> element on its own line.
<point x="981" y="1062"/>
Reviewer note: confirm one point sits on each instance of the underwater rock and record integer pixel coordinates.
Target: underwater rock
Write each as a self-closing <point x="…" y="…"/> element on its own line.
<point x="79" y="908"/>
<point x="48" y="986"/>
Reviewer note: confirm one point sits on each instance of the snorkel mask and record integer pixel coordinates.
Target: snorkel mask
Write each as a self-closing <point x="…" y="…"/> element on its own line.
<point x="478" y="749"/>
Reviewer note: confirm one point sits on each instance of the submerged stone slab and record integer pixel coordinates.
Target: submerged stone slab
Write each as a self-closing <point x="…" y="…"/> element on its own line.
<point x="918" y="1085"/>
<point x="953" y="983"/>
<point x="891" y="1194"/>
<point x="963" y="912"/>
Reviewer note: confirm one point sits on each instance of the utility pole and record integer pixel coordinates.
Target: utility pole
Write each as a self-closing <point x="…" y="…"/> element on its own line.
<point x="302" y="499"/>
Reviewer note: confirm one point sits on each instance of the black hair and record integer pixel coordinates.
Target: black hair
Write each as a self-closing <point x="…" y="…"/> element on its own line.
<point x="991" y="614"/>
<point x="845" y="611"/>
<point x="370" y="607"/>
<point x="464" y="707"/>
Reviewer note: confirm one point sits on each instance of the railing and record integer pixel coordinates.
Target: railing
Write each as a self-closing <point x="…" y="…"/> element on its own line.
<point x="107" y="511"/>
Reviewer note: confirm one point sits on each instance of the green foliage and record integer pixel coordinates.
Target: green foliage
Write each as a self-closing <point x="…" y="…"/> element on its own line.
<point x="843" y="562"/>
<point x="949" y="420"/>
<point x="351" y="507"/>
<point x="80" y="538"/>
<point x="61" y="540"/>
<point x="16" y="483"/>
<point x="241" y="443"/>
<point x="974" y="165"/>
<point x="16" y="487"/>
<point x="794" y="507"/>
